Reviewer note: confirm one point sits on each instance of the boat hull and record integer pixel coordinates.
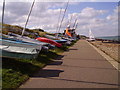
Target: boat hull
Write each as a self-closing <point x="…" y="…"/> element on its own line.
<point x="17" y="55"/>
<point x="42" y="39"/>
<point x="18" y="52"/>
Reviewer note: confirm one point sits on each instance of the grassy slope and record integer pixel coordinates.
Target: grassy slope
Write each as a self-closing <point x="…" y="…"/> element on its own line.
<point x="16" y="71"/>
<point x="18" y="30"/>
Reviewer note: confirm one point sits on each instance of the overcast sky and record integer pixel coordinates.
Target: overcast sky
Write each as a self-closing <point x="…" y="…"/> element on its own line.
<point x="101" y="17"/>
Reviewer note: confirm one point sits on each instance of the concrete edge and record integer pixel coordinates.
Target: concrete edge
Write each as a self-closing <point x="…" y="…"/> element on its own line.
<point x="114" y="63"/>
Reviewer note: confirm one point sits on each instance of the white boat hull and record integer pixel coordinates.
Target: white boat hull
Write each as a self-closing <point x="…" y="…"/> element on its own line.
<point x="18" y="52"/>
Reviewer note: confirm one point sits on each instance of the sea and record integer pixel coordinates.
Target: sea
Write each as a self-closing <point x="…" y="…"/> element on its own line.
<point x="115" y="38"/>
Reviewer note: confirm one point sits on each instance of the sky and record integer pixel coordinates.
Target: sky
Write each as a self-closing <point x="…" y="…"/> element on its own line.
<point x="100" y="17"/>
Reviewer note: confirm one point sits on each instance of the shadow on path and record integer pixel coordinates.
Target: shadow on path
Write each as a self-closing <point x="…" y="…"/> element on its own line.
<point x="48" y="73"/>
<point x="59" y="57"/>
<point x="73" y="49"/>
<point x="44" y="73"/>
<point x="56" y="63"/>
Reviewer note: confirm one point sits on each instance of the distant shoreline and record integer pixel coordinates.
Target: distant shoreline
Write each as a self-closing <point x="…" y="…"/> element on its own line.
<point x="114" y="38"/>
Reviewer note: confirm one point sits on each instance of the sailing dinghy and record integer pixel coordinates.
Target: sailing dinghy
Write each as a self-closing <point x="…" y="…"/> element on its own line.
<point x="91" y="36"/>
<point x="19" y="43"/>
<point x="18" y="52"/>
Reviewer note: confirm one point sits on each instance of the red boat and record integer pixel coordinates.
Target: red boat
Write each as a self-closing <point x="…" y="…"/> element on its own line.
<point x="42" y="39"/>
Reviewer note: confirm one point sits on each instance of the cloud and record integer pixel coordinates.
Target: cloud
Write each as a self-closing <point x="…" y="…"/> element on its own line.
<point x="45" y="15"/>
<point x="18" y="11"/>
<point x="89" y="17"/>
<point x="91" y="12"/>
<point x="21" y="8"/>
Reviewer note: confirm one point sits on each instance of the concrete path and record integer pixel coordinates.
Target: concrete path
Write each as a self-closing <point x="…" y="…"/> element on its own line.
<point x="81" y="67"/>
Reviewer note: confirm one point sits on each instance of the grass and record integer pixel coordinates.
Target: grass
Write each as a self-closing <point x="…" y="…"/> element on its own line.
<point x="17" y="71"/>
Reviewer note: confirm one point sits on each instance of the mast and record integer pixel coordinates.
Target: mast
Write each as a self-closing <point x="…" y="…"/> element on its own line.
<point x="74" y="23"/>
<point x="58" y="22"/>
<point x="63" y="16"/>
<point x="3" y="9"/>
<point x="28" y="18"/>
<point x="70" y="20"/>
<point x="75" y="29"/>
<point x="91" y="36"/>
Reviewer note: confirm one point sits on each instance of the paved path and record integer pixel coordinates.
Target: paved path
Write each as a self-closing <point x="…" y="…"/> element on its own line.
<point x="81" y="67"/>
